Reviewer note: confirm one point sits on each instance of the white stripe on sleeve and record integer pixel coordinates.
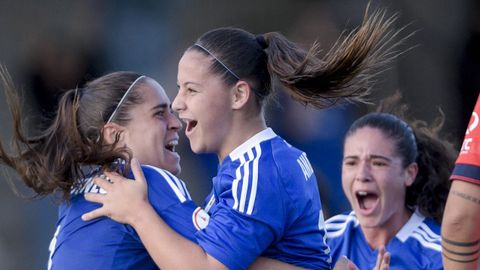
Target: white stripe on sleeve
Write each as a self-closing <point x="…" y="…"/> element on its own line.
<point x="253" y="192"/>
<point x="245" y="180"/>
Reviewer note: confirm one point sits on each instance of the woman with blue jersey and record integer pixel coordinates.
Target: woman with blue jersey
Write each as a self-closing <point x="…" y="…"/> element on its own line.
<point x="115" y="117"/>
<point x="395" y="176"/>
<point x="265" y="199"/>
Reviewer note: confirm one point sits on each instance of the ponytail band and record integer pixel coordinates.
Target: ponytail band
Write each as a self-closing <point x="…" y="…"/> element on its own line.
<point x="261" y="41"/>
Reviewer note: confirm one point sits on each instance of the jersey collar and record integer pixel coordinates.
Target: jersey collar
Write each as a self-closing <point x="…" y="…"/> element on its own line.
<point x="256" y="139"/>
<point x="415" y="220"/>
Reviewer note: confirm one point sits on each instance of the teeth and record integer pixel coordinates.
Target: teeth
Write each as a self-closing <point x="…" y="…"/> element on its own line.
<point x="171" y="145"/>
<point x="362" y="193"/>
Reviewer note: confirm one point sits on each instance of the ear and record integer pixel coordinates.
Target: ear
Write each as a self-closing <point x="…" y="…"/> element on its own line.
<point x="110" y="131"/>
<point x="411" y="172"/>
<point x="241" y="94"/>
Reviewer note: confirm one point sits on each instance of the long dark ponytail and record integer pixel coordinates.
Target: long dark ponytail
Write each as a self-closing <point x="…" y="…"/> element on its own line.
<point x="345" y="73"/>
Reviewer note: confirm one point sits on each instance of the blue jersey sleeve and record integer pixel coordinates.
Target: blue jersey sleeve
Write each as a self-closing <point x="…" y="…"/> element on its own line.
<point x="171" y="200"/>
<point x="248" y="217"/>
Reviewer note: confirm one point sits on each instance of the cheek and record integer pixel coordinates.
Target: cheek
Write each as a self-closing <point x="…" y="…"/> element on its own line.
<point x="346" y="181"/>
<point x="217" y="115"/>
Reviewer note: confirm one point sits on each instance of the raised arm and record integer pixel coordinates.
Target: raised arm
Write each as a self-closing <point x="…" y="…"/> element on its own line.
<point x="461" y="220"/>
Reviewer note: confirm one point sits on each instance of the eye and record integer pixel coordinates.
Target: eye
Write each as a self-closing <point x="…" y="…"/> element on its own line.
<point x="160" y="113"/>
<point x="349" y="162"/>
<point x="379" y="163"/>
<point x="191" y="91"/>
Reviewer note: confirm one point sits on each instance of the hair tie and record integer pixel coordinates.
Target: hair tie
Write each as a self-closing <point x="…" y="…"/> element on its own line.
<point x="261" y="41"/>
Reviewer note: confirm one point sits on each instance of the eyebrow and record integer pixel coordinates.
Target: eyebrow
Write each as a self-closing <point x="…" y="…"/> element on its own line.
<point x="161" y="106"/>
<point x="370" y="157"/>
<point x="186" y="83"/>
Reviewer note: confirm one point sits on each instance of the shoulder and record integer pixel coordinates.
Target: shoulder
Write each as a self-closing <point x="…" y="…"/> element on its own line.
<point x="425" y="232"/>
<point x="160" y="180"/>
<point x="338" y="225"/>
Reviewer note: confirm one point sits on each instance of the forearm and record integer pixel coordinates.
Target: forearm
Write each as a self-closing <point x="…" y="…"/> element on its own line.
<point x="169" y="249"/>
<point x="264" y="263"/>
<point x="461" y="227"/>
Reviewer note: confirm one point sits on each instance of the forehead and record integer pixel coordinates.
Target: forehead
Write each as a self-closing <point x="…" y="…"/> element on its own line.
<point x="367" y="140"/>
<point x="152" y="93"/>
<point x="194" y="65"/>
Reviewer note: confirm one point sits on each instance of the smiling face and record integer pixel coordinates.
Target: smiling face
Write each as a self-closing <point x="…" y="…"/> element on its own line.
<point x="374" y="179"/>
<point x="203" y="102"/>
<point x="152" y="132"/>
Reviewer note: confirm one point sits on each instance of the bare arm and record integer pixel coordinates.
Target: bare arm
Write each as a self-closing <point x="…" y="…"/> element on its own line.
<point x="461" y="227"/>
<point x="263" y="263"/>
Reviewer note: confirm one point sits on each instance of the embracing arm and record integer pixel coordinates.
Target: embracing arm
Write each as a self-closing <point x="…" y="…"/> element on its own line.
<point x="168" y="249"/>
<point x="461" y="227"/>
<point x="126" y="201"/>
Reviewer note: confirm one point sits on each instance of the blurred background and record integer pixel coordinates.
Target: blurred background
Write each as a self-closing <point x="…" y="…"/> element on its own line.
<point x="50" y="46"/>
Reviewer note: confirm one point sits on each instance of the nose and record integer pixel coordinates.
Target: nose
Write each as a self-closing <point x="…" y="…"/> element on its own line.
<point x="174" y="123"/>
<point x="178" y="104"/>
<point x="363" y="172"/>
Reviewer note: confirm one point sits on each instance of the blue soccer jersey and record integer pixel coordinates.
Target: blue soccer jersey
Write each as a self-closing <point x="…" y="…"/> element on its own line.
<point x="265" y="202"/>
<point x="416" y="246"/>
<point x="105" y="244"/>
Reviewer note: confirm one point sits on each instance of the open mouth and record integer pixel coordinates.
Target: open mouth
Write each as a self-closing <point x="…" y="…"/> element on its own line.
<point x="170" y="146"/>
<point x="366" y="200"/>
<point x="190" y="125"/>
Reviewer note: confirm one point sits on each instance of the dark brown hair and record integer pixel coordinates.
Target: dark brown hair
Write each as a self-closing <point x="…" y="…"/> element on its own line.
<point x="416" y="141"/>
<point x="51" y="161"/>
<point x="344" y="74"/>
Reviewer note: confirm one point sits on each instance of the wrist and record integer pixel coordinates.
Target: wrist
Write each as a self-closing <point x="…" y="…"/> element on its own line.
<point x="143" y="215"/>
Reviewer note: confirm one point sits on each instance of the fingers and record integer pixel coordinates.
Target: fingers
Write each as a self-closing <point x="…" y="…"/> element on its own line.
<point x="103" y="182"/>
<point x="383" y="259"/>
<point x="138" y="172"/>
<point x="94" y="197"/>
<point x="99" y="212"/>
<point x="381" y="252"/>
<point x="386" y="261"/>
<point x="345" y="264"/>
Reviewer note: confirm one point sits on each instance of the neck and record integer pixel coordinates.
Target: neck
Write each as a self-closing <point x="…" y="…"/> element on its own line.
<point x="380" y="236"/>
<point x="241" y="130"/>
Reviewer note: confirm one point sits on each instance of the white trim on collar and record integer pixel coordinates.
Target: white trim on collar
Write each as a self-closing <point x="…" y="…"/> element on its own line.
<point x="263" y="135"/>
<point x="415" y="220"/>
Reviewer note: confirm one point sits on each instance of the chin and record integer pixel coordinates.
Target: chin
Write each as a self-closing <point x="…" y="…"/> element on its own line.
<point x="176" y="171"/>
<point x="197" y="149"/>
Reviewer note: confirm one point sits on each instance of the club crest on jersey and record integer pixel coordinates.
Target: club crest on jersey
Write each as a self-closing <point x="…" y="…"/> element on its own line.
<point x="200" y="218"/>
<point x="471" y="135"/>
